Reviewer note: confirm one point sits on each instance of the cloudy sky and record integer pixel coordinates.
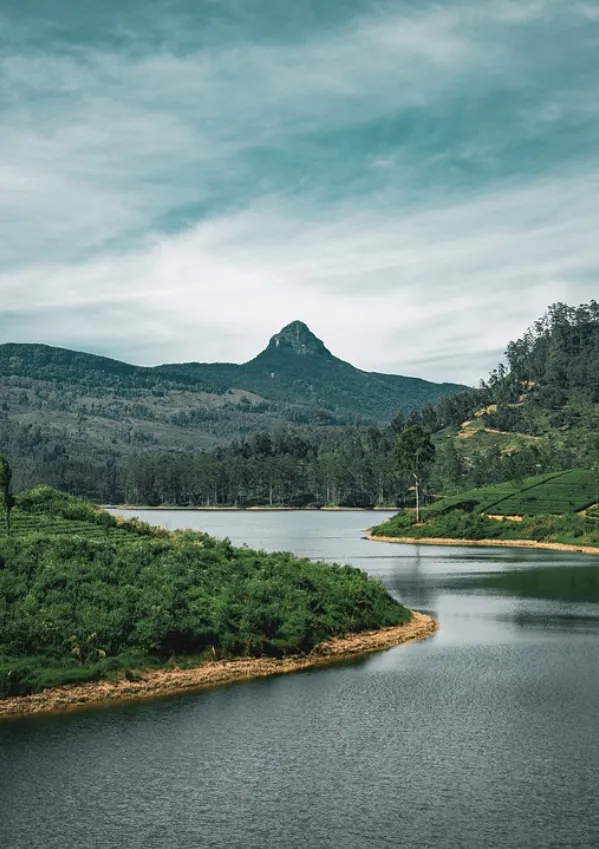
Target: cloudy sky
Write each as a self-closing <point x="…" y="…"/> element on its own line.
<point x="415" y="180"/>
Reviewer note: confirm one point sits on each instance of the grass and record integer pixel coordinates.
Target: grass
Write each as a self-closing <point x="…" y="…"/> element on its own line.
<point x="569" y="528"/>
<point x="554" y="494"/>
<point x="24" y="524"/>
<point x="552" y="507"/>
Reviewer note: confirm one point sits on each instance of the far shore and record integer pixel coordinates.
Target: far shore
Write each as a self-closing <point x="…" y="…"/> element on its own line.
<point x="266" y="507"/>
<point x="165" y="682"/>
<point x="488" y="543"/>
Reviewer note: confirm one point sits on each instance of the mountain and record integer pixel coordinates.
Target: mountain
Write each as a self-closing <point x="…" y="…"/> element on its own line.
<point x="63" y="409"/>
<point x="296" y="368"/>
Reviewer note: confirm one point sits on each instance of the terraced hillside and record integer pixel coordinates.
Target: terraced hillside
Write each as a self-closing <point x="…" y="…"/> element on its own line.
<point x="554" y="493"/>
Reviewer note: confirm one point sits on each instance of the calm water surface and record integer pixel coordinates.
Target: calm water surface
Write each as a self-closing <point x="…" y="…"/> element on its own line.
<point x="484" y="736"/>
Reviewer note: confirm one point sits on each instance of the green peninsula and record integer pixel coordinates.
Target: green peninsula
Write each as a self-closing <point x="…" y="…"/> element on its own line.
<point x="86" y="596"/>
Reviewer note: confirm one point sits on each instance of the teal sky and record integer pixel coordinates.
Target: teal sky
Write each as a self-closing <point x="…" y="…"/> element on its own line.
<point x="417" y="181"/>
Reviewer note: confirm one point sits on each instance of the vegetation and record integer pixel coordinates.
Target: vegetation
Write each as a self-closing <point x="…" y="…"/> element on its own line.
<point x="551" y="508"/>
<point x="554" y="493"/>
<point x="106" y="411"/>
<point x="414" y="454"/>
<point x="306" y="429"/>
<point x="570" y="529"/>
<point x="85" y="596"/>
<point x="6" y="497"/>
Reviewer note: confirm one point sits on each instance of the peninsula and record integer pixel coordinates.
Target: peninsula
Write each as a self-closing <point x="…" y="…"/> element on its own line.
<point x="96" y="608"/>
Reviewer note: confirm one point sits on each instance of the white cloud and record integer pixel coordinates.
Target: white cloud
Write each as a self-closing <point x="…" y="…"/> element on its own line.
<point x="380" y="292"/>
<point x="99" y="144"/>
<point x="103" y="149"/>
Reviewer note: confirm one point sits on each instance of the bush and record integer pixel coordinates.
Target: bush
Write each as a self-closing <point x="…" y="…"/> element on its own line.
<point x="79" y="607"/>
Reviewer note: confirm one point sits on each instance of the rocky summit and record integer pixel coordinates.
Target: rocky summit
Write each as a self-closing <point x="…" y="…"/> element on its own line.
<point x="299" y="339"/>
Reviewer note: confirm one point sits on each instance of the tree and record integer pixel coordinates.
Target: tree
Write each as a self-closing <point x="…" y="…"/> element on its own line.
<point x="593" y="454"/>
<point x="414" y="454"/>
<point x="8" y="501"/>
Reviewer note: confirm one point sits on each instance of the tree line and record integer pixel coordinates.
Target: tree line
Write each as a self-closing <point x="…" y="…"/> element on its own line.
<point x="546" y="390"/>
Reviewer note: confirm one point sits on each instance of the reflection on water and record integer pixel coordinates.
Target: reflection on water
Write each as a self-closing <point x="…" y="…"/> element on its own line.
<point x="559" y="583"/>
<point x="483" y="737"/>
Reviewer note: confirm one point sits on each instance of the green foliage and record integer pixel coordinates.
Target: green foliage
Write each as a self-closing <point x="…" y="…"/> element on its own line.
<point x="47" y="501"/>
<point x="6" y="497"/>
<point x="414" y="451"/>
<point x="560" y="492"/>
<point x="572" y="528"/>
<point x="82" y="606"/>
<point x="106" y="411"/>
<point x="566" y="492"/>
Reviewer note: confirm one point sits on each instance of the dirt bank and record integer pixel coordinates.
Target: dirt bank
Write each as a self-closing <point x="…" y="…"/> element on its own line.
<point x="489" y="543"/>
<point x="162" y="682"/>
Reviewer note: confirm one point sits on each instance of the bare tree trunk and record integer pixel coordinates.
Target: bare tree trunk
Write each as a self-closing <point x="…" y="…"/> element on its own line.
<point x="417" y="499"/>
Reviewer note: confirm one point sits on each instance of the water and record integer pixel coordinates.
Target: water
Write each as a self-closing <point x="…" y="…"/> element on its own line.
<point x="483" y="736"/>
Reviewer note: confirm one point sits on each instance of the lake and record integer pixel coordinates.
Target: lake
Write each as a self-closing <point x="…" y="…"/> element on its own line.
<point x="483" y="736"/>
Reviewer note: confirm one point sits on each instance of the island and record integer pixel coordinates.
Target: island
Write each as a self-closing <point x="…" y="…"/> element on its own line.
<point x="95" y="608"/>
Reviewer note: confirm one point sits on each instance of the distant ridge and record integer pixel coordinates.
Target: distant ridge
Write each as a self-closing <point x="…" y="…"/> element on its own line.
<point x="58" y="403"/>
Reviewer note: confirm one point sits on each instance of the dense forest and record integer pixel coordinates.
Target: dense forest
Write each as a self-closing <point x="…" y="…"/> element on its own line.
<point x="86" y="596"/>
<point x="538" y="412"/>
<point x="69" y="418"/>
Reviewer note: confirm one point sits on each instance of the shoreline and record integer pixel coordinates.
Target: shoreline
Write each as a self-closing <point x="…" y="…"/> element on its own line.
<point x="266" y="508"/>
<point x="488" y="543"/>
<point x="166" y="682"/>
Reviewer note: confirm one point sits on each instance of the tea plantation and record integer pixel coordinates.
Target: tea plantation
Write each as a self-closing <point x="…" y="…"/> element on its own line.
<point x="553" y="493"/>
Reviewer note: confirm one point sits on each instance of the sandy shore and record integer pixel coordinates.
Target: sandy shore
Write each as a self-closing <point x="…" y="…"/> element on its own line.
<point x="489" y="543"/>
<point x="163" y="682"/>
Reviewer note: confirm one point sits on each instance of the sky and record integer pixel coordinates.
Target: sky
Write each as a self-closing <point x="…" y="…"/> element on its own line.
<point x="417" y="181"/>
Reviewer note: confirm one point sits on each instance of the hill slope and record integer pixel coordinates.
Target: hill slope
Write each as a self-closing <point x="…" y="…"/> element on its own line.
<point x="296" y="367"/>
<point x="65" y="407"/>
<point x="552" y="510"/>
<point x="537" y="413"/>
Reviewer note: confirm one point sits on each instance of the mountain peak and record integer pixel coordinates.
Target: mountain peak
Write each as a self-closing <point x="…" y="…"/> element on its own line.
<point x="298" y="339"/>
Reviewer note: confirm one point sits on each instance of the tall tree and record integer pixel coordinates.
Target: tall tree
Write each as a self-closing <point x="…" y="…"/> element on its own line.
<point x="414" y="455"/>
<point x="8" y="501"/>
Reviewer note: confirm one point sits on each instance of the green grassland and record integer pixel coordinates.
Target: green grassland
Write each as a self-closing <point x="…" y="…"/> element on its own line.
<point x="85" y="596"/>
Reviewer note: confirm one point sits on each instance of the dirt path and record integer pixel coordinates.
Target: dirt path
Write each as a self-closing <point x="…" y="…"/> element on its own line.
<point x="163" y="682"/>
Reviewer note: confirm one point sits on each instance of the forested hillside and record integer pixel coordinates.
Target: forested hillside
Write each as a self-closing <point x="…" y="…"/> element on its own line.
<point x="70" y="419"/>
<point x="537" y="413"/>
